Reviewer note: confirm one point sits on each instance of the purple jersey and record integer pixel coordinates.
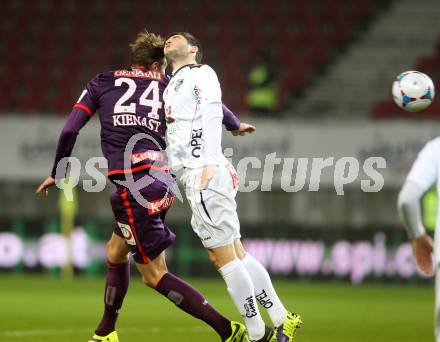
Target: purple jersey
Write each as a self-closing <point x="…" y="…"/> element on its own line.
<point x="129" y="102"/>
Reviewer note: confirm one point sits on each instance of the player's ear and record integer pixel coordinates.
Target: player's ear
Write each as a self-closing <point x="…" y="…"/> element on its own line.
<point x="155" y="66"/>
<point x="194" y="49"/>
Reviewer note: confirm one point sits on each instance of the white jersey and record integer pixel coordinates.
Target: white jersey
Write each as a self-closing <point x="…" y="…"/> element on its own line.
<point x="192" y="99"/>
<point x="425" y="171"/>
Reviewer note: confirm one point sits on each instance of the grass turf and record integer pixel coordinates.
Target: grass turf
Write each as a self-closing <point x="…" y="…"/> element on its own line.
<point x="48" y="310"/>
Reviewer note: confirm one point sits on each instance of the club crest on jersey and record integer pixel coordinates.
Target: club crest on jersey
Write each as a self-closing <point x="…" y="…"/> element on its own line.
<point x="197" y="94"/>
<point x="178" y="84"/>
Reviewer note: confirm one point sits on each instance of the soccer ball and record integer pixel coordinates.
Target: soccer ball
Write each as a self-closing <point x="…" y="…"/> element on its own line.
<point x="413" y="91"/>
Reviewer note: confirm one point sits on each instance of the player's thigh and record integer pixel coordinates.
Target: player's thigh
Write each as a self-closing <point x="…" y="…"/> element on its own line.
<point x="143" y="228"/>
<point x="214" y="217"/>
<point x="117" y="250"/>
<point x="153" y="271"/>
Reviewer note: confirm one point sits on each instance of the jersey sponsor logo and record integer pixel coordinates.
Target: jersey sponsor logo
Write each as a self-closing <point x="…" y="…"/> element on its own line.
<point x="196" y="142"/>
<point x="264" y="300"/>
<point x="249" y="307"/>
<point x="138" y="74"/>
<point x="136" y="120"/>
<point x="155" y="207"/>
<point x="128" y="234"/>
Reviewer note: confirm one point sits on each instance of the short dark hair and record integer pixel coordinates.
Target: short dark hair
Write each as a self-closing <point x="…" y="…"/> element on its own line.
<point x="193" y="41"/>
<point x="147" y="49"/>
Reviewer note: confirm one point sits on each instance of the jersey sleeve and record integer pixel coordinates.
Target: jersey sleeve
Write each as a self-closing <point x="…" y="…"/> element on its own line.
<point x="424" y="171"/>
<point x="82" y="111"/>
<point x="230" y="121"/>
<point x="207" y="85"/>
<point x="88" y="100"/>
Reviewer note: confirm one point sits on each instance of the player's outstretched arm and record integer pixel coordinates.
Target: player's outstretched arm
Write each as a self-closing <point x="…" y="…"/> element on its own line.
<point x="243" y="129"/>
<point x="43" y="189"/>
<point x="80" y="114"/>
<point x="76" y="120"/>
<point x="233" y="124"/>
<point x="230" y="120"/>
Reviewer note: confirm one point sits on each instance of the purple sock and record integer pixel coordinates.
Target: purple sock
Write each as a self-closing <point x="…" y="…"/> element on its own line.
<point x="192" y="301"/>
<point x="118" y="277"/>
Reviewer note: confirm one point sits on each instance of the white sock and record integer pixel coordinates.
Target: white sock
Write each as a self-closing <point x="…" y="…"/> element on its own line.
<point x="264" y="291"/>
<point x="241" y="289"/>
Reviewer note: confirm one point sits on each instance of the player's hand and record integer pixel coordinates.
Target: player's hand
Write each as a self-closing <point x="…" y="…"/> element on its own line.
<point x="243" y="129"/>
<point x="207" y="174"/>
<point x="43" y="189"/>
<point x="422" y="249"/>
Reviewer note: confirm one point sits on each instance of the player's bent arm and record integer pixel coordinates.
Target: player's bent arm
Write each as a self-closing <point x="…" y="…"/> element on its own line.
<point x="76" y="120"/>
<point x="410" y="213"/>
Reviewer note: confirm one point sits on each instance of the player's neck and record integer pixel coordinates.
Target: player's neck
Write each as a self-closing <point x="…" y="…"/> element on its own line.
<point x="182" y="62"/>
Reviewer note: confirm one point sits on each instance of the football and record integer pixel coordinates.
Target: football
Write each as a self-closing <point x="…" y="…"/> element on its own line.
<point x="413" y="91"/>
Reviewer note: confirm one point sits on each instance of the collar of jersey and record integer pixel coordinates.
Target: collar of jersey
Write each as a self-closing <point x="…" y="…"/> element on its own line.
<point x="183" y="66"/>
<point x="141" y="67"/>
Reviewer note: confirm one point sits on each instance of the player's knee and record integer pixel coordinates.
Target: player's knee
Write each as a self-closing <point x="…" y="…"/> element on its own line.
<point x="116" y="254"/>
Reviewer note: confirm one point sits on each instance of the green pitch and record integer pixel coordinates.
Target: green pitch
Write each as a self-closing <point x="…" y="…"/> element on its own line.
<point x="48" y="310"/>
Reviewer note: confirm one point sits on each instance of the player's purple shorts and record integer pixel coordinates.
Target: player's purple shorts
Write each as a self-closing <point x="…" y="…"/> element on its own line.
<point x="143" y="228"/>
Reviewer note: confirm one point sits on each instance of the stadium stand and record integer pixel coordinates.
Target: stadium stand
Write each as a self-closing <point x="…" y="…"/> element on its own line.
<point x="429" y="65"/>
<point x="48" y="59"/>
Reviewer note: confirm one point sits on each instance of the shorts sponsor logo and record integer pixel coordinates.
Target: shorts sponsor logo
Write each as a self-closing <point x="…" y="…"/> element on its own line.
<point x="155" y="207"/>
<point x="264" y="300"/>
<point x="249" y="307"/>
<point x="128" y="234"/>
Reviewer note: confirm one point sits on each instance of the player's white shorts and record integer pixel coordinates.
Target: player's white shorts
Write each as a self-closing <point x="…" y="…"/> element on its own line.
<point x="214" y="210"/>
